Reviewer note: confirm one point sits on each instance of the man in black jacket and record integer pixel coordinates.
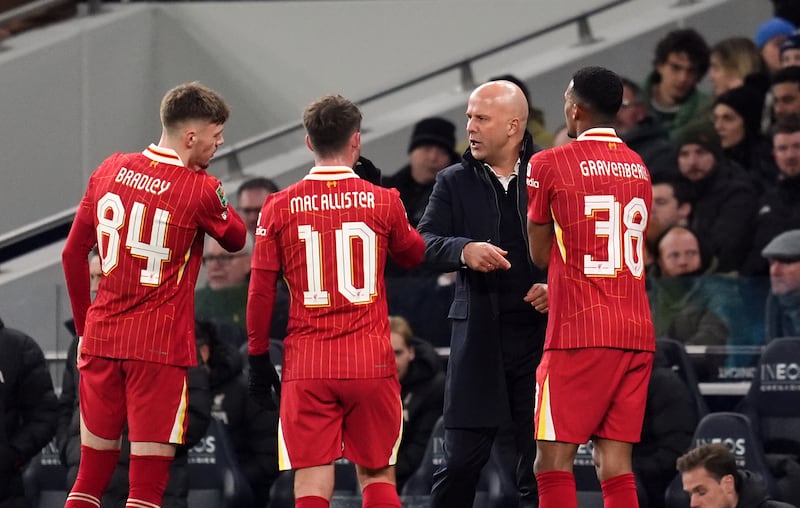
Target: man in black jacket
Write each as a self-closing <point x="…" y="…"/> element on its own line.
<point x="28" y="411"/>
<point x="475" y="224"/>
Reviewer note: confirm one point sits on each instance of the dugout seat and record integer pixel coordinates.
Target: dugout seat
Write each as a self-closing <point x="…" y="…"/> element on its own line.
<point x="674" y="354"/>
<point x="45" y="479"/>
<point x="586" y="483"/>
<point x="735" y="430"/>
<point x="346" y="489"/>
<point x="214" y="477"/>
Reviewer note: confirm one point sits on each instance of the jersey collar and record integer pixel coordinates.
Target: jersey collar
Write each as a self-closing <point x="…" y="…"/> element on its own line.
<point x="600" y="134"/>
<point x="330" y="173"/>
<point x="162" y="154"/>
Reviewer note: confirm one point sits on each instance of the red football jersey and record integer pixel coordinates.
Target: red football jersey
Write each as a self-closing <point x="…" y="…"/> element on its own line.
<point x="330" y="234"/>
<point x="597" y="193"/>
<point x="148" y="215"/>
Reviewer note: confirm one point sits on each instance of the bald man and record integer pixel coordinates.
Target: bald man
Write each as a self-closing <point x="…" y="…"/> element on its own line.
<point x="474" y="224"/>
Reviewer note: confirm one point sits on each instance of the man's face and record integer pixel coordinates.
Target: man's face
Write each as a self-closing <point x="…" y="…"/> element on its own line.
<point x="95" y="274"/>
<point x="678" y="77"/>
<point x="705" y="491"/>
<point x="790" y="57"/>
<point x="426" y="161"/>
<point x="695" y="162"/>
<point x="786" y="149"/>
<point x="771" y="53"/>
<point x="665" y="211"/>
<point x="225" y="269"/>
<point x="250" y="202"/>
<point x="678" y="253"/>
<point x="403" y="355"/>
<point x="488" y="125"/>
<point x="784" y="276"/>
<point x="719" y="76"/>
<point x="630" y="113"/>
<point x="207" y="138"/>
<point x="787" y="98"/>
<point x="569" y="112"/>
<point x="728" y="124"/>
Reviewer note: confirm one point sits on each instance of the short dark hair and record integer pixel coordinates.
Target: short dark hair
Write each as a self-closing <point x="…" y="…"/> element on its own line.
<point x="686" y="40"/>
<point x="716" y="458"/>
<point x="786" y="123"/>
<point x="192" y="101"/>
<point x="329" y="122"/>
<point x="680" y="187"/>
<point x="259" y="182"/>
<point x="787" y="75"/>
<point x="600" y="89"/>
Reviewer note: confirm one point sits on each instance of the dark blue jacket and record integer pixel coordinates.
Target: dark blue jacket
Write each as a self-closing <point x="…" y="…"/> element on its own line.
<point x="464" y="208"/>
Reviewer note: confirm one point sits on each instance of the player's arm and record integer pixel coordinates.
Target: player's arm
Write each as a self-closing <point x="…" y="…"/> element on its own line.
<point x="540" y="242"/>
<point x="406" y="246"/>
<point x="220" y="219"/>
<point x="540" y="221"/>
<point x="260" y="300"/>
<point x="75" y="261"/>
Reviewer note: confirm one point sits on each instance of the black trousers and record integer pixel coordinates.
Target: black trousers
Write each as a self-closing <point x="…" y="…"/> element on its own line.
<point x="467" y="450"/>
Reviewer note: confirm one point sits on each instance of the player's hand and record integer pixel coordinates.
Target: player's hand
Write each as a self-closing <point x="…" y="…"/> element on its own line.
<point x="78" y="352"/>
<point x="485" y="257"/>
<point x="537" y="297"/>
<point x="365" y="169"/>
<point x="263" y="379"/>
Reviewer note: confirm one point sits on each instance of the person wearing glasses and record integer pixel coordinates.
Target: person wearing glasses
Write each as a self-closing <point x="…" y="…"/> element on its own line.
<point x="250" y="195"/>
<point x="223" y="299"/>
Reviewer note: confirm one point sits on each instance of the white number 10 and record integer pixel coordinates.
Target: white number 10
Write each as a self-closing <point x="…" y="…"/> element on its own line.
<point x="628" y="245"/>
<point x="316" y="295"/>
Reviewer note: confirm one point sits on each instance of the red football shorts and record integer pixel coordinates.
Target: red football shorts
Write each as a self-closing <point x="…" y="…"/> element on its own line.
<point x="583" y="393"/>
<point x="324" y="419"/>
<point x="152" y="397"/>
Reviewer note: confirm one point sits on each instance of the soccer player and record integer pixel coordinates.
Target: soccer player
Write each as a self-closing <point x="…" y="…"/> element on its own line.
<point x="329" y="234"/>
<point x="148" y="213"/>
<point x="588" y="206"/>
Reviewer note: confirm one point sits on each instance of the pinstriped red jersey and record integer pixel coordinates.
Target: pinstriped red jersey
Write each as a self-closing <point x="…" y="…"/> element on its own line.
<point x="148" y="214"/>
<point x="330" y="234"/>
<point x="597" y="193"/>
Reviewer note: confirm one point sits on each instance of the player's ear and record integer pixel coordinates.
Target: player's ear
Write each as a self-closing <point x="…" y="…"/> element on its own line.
<point x="308" y="143"/>
<point x="189" y="137"/>
<point x="355" y="140"/>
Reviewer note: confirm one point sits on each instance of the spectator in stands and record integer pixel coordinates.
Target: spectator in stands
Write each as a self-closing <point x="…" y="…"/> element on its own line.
<point x="421" y="376"/>
<point x="670" y="418"/>
<point x="736" y="115"/>
<point x="790" y="51"/>
<point x="224" y="297"/>
<point x="639" y="130"/>
<point x="28" y="411"/>
<point x="732" y="61"/>
<point x="68" y="439"/>
<point x="711" y="478"/>
<point x="252" y="428"/>
<point x="250" y="197"/>
<point x="671" y="207"/>
<point x="724" y="202"/>
<point x="431" y="149"/>
<point x="681" y="60"/>
<point x="786" y="91"/>
<point x="783" y="302"/>
<point x="769" y="37"/>
<point x="780" y="206"/>
<point x="40" y="17"/>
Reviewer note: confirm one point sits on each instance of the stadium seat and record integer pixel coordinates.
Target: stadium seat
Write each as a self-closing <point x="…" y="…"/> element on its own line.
<point x="586" y="483"/>
<point x="346" y="490"/>
<point x="773" y="405"/>
<point x="214" y="477"/>
<point x="676" y="357"/>
<point x="45" y="479"/>
<point x="734" y="430"/>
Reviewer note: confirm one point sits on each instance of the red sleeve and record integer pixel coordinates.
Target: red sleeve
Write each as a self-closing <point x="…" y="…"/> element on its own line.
<point x="406" y="246"/>
<point x="539" y="182"/>
<point x="219" y="218"/>
<point x="75" y="260"/>
<point x="260" y="300"/>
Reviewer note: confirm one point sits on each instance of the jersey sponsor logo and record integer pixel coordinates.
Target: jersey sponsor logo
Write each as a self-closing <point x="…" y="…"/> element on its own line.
<point x="532" y="182"/>
<point x="140" y="181"/>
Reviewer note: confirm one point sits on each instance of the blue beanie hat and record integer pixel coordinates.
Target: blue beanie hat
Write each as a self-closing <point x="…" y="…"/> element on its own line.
<point x="771" y="29"/>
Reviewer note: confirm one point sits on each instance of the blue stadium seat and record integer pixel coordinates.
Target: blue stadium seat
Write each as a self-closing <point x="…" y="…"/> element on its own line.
<point x="214" y="477"/>
<point x="676" y="357"/>
<point x="734" y="430"/>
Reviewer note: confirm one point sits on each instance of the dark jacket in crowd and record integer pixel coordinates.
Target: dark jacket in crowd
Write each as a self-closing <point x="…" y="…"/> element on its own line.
<point x="465" y="207"/>
<point x="754" y="154"/>
<point x="670" y="418"/>
<point x="724" y="206"/>
<point x="414" y="195"/>
<point x="69" y="439"/>
<point x="253" y="430"/>
<point x="779" y="212"/>
<point x="651" y="141"/>
<point x="28" y="410"/>
<point x="753" y="492"/>
<point x="422" y="391"/>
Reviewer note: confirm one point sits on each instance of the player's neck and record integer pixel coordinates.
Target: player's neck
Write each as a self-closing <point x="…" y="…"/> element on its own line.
<point x="182" y="151"/>
<point x="335" y="160"/>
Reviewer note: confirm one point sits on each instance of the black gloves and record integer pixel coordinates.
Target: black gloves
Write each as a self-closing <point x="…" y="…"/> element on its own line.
<point x="263" y="379"/>
<point x="365" y="169"/>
